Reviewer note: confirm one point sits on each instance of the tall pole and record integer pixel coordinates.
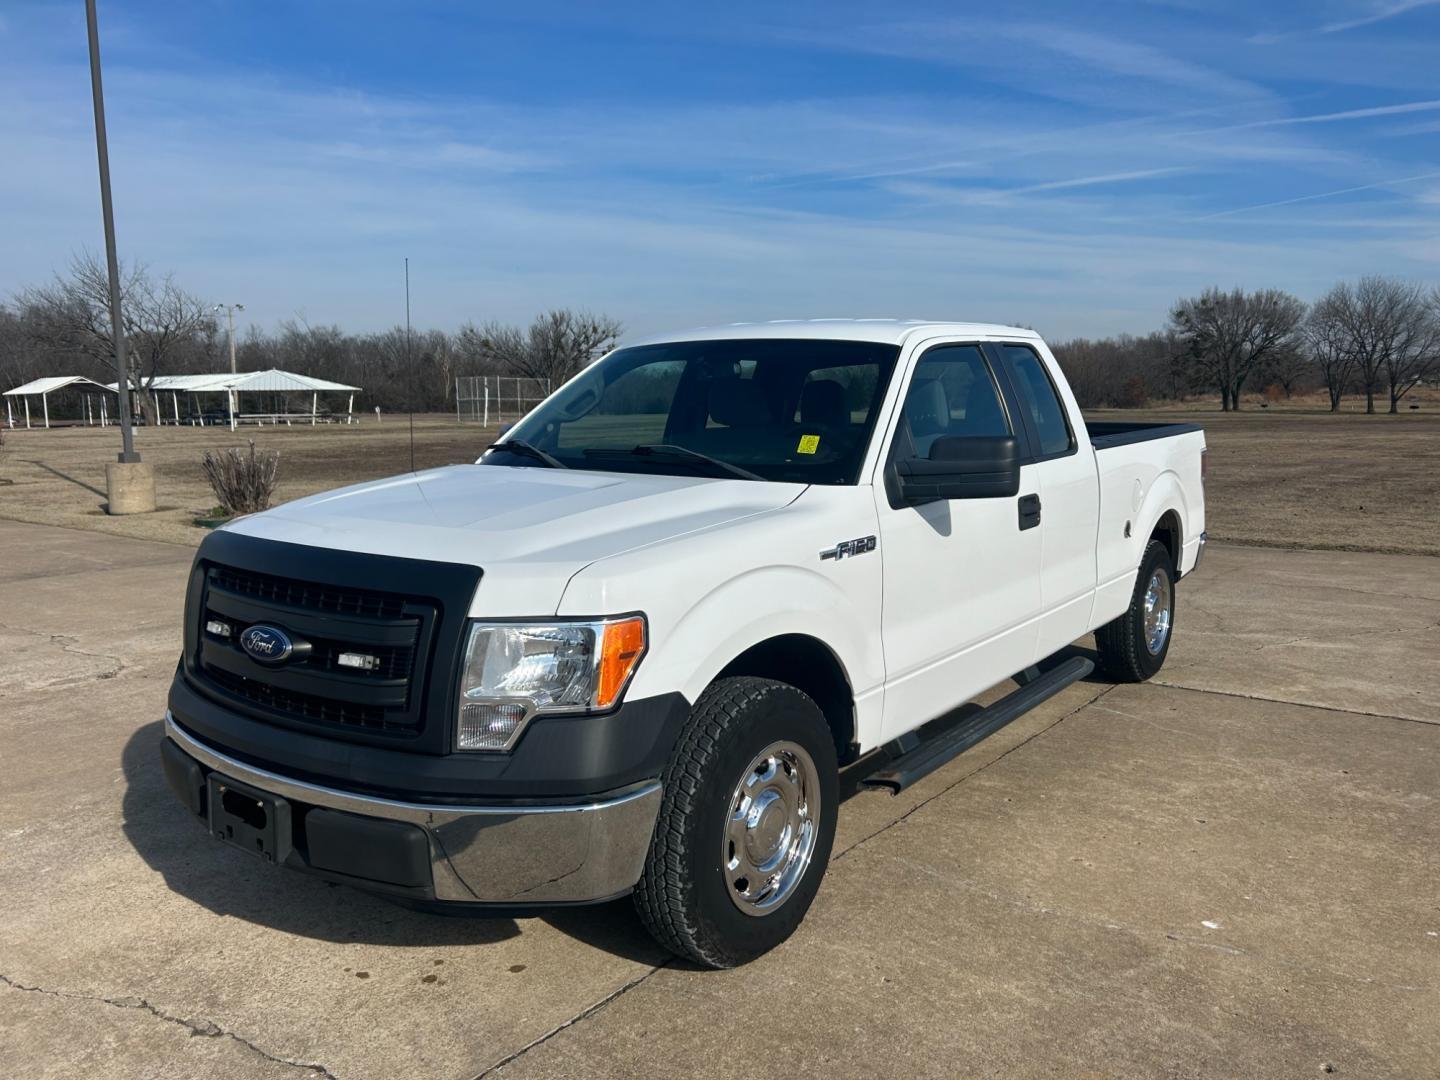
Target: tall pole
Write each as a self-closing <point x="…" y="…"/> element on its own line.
<point x="409" y="364"/>
<point x="230" y="310"/>
<point x="117" y="324"/>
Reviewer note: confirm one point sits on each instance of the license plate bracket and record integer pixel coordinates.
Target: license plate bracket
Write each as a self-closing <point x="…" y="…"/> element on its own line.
<point x="252" y="820"/>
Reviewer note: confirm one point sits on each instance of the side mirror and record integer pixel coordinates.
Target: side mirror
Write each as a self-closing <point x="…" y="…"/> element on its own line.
<point x="961" y="467"/>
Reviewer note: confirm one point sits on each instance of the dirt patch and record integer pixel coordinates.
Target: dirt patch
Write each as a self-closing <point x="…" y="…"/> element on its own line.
<point x="59" y="475"/>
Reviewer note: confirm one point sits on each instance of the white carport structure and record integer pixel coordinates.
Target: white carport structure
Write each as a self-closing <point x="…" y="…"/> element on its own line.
<point x="272" y="381"/>
<point x="43" y="388"/>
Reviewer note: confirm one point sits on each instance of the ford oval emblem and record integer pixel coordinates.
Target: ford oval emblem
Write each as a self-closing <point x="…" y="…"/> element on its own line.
<point x="267" y="644"/>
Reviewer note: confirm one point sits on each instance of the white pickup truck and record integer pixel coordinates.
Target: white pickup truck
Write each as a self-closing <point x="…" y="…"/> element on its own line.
<point x="630" y="649"/>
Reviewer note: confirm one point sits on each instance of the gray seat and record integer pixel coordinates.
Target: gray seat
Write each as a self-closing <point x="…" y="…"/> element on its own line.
<point x="927" y="412"/>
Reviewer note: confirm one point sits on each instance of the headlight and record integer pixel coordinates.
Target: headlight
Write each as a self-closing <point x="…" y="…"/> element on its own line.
<point x="514" y="671"/>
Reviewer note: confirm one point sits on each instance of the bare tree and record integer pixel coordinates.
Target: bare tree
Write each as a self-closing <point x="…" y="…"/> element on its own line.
<point x="71" y="315"/>
<point x="1231" y="334"/>
<point x="1327" y="346"/>
<point x="1287" y="367"/>
<point x="554" y="347"/>
<point x="1390" y="331"/>
<point x="1415" y="347"/>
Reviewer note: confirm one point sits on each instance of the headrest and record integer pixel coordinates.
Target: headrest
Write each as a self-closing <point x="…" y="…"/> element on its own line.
<point x="927" y="408"/>
<point x="822" y="404"/>
<point x="739" y="403"/>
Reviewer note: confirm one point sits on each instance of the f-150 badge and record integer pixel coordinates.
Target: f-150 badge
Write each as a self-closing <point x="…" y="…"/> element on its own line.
<point x="847" y="548"/>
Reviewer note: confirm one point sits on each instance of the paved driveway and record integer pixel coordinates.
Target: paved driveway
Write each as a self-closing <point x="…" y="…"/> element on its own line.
<point x="1229" y="871"/>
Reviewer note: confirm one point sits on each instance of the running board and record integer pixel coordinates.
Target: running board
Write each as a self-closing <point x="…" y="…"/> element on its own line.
<point x="944" y="748"/>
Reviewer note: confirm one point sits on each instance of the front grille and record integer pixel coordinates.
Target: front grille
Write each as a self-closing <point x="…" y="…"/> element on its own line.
<point x="302" y="706"/>
<point x="314" y="688"/>
<point x="300" y="594"/>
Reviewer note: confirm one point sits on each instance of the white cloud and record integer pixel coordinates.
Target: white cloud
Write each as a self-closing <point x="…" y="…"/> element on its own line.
<point x="1335" y="117"/>
<point x="1395" y="182"/>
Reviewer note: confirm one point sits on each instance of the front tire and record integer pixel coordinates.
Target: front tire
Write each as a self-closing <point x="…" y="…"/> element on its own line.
<point x="1133" y="647"/>
<point x="746" y="824"/>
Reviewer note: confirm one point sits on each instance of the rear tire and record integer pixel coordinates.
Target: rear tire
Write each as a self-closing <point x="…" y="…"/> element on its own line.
<point x="746" y="824"/>
<point x="1133" y="647"/>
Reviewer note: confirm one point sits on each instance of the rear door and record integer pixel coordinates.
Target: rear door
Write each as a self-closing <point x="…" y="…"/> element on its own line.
<point x="1064" y="464"/>
<point x="961" y="577"/>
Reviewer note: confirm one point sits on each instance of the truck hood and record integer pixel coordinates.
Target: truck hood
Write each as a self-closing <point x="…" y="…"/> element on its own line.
<point x="517" y="523"/>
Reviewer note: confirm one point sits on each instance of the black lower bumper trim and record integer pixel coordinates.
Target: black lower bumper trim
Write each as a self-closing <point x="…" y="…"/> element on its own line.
<point x="558" y="757"/>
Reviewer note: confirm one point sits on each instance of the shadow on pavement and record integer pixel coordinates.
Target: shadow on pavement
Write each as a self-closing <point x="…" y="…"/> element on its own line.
<point x="66" y="476"/>
<point x="231" y="883"/>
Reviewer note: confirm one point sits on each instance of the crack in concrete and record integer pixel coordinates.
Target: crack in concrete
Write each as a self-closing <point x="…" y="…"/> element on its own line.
<point x="582" y="1015"/>
<point x="69" y="644"/>
<point x="1354" y="634"/>
<point x="1300" y="704"/>
<point x="201" y="1028"/>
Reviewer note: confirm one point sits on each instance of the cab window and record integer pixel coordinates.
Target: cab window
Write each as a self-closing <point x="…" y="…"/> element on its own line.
<point x="952" y="393"/>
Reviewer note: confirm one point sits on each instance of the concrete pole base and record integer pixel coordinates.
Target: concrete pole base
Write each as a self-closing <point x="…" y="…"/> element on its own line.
<point x="130" y="487"/>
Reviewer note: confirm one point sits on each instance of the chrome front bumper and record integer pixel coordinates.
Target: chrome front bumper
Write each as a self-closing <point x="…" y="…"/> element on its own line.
<point x="490" y="854"/>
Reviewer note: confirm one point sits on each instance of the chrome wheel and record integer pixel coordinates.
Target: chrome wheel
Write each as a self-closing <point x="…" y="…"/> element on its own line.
<point x="772" y="827"/>
<point x="1159" y="610"/>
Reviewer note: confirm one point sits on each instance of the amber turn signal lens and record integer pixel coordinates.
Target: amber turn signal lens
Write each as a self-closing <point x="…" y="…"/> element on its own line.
<point x="620" y="651"/>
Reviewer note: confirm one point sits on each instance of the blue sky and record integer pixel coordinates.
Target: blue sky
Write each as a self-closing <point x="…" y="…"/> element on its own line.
<point x="1070" y="168"/>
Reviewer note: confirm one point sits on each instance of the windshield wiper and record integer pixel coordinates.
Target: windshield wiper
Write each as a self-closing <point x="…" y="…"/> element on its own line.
<point x="524" y="449"/>
<point x="669" y="450"/>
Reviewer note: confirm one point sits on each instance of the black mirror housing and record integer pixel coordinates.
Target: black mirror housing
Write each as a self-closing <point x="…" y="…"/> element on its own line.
<point x="961" y="467"/>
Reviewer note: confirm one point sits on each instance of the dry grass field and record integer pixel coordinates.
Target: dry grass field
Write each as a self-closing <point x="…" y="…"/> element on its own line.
<point x="1288" y="476"/>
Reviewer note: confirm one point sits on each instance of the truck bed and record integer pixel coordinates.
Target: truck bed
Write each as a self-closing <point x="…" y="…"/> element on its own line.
<point x="1107" y="435"/>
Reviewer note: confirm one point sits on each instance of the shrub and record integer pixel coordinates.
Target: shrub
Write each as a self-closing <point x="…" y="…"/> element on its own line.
<point x="244" y="483"/>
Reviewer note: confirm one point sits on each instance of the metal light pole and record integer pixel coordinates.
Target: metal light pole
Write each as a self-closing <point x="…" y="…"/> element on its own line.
<point x="230" y="310"/>
<point x="117" y="324"/>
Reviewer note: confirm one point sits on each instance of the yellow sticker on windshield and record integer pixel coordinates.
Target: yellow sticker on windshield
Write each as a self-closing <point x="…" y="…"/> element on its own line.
<point x="808" y="444"/>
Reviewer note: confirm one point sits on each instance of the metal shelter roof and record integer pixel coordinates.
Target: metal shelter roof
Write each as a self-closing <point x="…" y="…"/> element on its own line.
<point x="273" y="380"/>
<point x="51" y="383"/>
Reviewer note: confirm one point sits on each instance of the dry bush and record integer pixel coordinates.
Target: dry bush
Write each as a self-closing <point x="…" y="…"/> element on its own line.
<point x="243" y="483"/>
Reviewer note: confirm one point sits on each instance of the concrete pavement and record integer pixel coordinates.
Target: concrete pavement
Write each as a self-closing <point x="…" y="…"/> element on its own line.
<point x="1228" y="871"/>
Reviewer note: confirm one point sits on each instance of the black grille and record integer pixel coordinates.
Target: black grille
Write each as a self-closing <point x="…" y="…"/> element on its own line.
<point x="300" y="594"/>
<point x="314" y="688"/>
<point x="303" y="706"/>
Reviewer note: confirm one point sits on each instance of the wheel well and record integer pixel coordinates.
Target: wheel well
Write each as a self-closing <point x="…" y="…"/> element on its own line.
<point x="1167" y="531"/>
<point x="807" y="664"/>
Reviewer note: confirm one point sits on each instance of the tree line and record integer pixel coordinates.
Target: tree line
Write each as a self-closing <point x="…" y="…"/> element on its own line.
<point x="63" y="327"/>
<point x="1378" y="337"/>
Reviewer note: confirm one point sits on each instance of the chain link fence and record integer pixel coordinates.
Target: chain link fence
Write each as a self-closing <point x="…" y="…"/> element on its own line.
<point x="497" y="399"/>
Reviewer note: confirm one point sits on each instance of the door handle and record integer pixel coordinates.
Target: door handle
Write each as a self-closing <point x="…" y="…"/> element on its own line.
<point x="1029" y="511"/>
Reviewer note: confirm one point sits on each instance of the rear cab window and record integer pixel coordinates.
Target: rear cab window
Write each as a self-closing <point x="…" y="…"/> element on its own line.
<point x="1039" y="400"/>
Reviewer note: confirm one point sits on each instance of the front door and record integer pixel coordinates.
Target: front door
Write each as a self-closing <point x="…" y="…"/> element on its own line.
<point x="961" y="576"/>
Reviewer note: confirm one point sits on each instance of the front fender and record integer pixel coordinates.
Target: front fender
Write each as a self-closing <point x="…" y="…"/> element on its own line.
<point x="690" y="650"/>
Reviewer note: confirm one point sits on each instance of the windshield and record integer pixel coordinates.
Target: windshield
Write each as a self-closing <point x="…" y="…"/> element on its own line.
<point x="796" y="410"/>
